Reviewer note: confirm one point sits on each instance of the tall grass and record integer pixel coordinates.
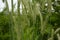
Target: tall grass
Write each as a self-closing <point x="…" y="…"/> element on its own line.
<point x="31" y="24"/>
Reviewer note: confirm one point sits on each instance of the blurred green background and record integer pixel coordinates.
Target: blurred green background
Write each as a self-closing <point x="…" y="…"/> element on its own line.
<point x="32" y="20"/>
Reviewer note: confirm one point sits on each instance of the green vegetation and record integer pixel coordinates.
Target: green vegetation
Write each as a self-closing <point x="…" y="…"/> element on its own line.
<point x="36" y="20"/>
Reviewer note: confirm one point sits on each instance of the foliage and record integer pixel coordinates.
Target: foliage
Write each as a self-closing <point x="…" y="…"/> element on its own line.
<point x="4" y="26"/>
<point x="36" y="21"/>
